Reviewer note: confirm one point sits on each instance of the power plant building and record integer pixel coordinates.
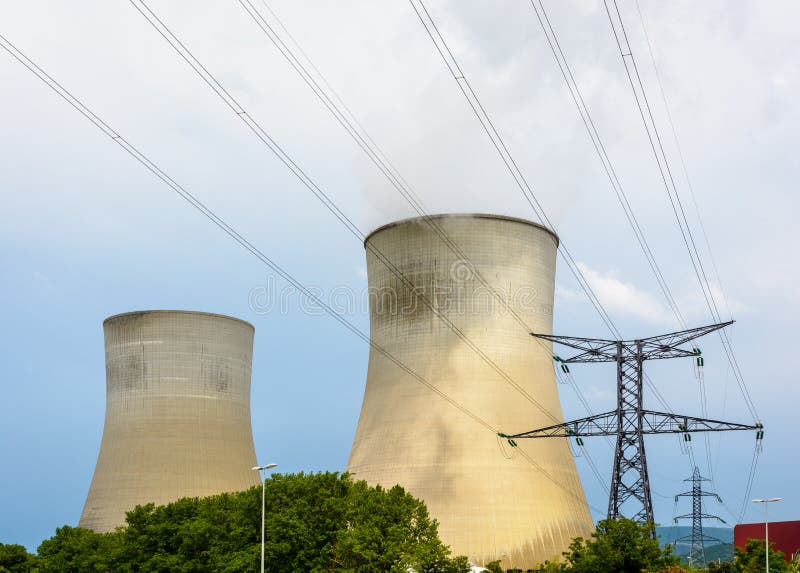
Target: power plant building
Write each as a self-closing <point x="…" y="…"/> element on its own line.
<point x="177" y="412"/>
<point x="493" y="501"/>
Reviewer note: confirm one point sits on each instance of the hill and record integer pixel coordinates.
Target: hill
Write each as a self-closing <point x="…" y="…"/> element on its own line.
<point x="723" y="551"/>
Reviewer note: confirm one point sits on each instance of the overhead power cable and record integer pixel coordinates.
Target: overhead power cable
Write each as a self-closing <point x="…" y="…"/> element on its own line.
<point x="345" y="117"/>
<point x="600" y="149"/>
<point x="457" y="72"/>
<point x="480" y="112"/>
<point x="264" y="137"/>
<point x="678" y="147"/>
<point x="318" y="192"/>
<point x="141" y="158"/>
<point x="654" y="138"/>
<point x="751" y="475"/>
<point x="377" y="157"/>
<point x="573" y="87"/>
<point x="497" y="141"/>
<point x="655" y="141"/>
<point x="358" y="133"/>
<point x="692" y="194"/>
<point x="508" y="160"/>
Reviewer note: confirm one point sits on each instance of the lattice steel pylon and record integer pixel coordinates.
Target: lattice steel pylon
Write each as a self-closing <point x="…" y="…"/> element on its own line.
<point x="630" y="421"/>
<point x="697" y="539"/>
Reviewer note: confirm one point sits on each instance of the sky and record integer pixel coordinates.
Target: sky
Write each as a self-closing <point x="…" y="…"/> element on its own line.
<point x="87" y="232"/>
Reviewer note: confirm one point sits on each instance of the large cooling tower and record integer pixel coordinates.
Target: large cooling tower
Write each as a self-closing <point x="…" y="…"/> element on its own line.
<point x="177" y="412"/>
<point x="490" y="501"/>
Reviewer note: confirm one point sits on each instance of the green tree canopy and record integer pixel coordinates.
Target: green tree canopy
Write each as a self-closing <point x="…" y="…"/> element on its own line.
<point x="616" y="546"/>
<point x="15" y="559"/>
<point x="752" y="559"/>
<point x="75" y="550"/>
<point x="314" y="523"/>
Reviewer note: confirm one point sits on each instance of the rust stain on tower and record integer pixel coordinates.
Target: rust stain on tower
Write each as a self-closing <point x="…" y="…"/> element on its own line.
<point x="177" y="412"/>
<point x="490" y="501"/>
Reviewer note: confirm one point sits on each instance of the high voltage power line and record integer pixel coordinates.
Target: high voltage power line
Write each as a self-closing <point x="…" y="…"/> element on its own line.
<point x="245" y="243"/>
<point x="566" y="72"/>
<point x="376" y="156"/>
<point x="508" y="160"/>
<point x="694" y="202"/>
<point x="573" y="87"/>
<point x="269" y="142"/>
<point x="480" y="112"/>
<point x="519" y="178"/>
<point x="391" y="173"/>
<point x="318" y="192"/>
<point x="600" y="149"/>
<point x="654" y="138"/>
<point x="366" y="143"/>
<point x="678" y="147"/>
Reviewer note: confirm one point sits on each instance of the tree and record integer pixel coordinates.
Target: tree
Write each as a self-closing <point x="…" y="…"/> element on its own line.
<point x="15" y="559"/>
<point x="494" y="567"/>
<point x="618" y="546"/>
<point x="549" y="567"/>
<point x="75" y="550"/>
<point x="752" y="559"/>
<point x="724" y="567"/>
<point x="315" y="523"/>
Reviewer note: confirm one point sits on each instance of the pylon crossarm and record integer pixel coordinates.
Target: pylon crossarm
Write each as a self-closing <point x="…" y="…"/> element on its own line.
<point x="652" y="423"/>
<point x="704" y="538"/>
<point x="653" y="348"/>
<point x="666" y="423"/>
<point x="684" y="336"/>
<point x="597" y="425"/>
<point x="699" y="515"/>
<point x="661" y="352"/>
<point x="601" y="350"/>
<point x="702" y="494"/>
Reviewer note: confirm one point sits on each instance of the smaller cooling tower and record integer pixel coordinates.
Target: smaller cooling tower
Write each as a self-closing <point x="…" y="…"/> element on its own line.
<point x="177" y="412"/>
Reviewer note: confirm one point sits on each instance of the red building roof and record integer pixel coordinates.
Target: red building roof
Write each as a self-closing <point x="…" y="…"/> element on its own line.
<point x="783" y="535"/>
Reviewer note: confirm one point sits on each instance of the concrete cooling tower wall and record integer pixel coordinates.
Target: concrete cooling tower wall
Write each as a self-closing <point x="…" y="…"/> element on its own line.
<point x="490" y="501"/>
<point x="177" y="412"/>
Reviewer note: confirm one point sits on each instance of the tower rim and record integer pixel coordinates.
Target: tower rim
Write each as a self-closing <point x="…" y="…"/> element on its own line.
<point x="507" y="218"/>
<point x="176" y="311"/>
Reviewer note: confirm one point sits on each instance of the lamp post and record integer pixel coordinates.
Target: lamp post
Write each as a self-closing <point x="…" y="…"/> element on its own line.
<point x="259" y="469"/>
<point x="766" y="503"/>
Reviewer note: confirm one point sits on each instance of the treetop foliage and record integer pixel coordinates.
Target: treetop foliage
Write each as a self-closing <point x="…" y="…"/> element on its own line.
<point x="325" y="523"/>
<point x="317" y="523"/>
<point x="752" y="559"/>
<point x="616" y="546"/>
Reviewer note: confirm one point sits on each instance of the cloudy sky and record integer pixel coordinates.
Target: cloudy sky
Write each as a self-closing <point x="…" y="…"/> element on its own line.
<point x="87" y="232"/>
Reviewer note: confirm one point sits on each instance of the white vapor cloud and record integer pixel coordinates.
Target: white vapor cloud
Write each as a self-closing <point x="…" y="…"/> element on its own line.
<point x="619" y="297"/>
<point x="622" y="297"/>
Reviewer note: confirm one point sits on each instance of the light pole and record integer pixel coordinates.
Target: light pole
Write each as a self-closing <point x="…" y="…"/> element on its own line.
<point x="259" y="469"/>
<point x="766" y="503"/>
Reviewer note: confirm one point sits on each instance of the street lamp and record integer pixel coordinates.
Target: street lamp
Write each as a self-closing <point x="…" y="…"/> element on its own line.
<point x="766" y="503"/>
<point x="263" y="504"/>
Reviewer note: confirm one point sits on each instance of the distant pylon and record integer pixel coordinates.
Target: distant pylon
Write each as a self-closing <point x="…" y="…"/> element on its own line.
<point x="697" y="539"/>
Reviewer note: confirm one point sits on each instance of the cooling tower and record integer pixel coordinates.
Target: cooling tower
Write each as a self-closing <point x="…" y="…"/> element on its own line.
<point x="491" y="502"/>
<point x="177" y="412"/>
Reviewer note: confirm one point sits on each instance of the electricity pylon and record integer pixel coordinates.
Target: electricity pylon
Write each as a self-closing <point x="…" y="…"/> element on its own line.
<point x="697" y="539"/>
<point x="630" y="421"/>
